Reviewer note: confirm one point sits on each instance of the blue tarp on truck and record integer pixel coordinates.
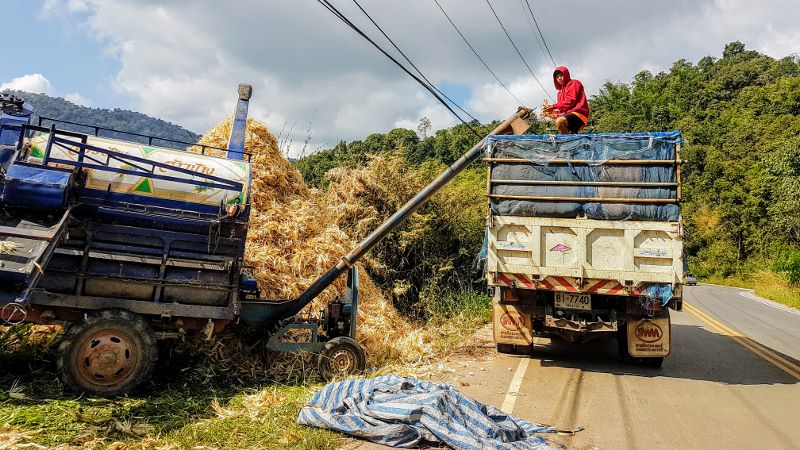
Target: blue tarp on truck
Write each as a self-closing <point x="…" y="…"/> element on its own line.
<point x="630" y="176"/>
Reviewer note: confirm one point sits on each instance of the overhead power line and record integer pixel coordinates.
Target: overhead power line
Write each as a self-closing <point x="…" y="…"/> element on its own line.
<point x="476" y="53"/>
<point x="412" y="64"/>
<point x="540" y="32"/>
<point x="333" y="10"/>
<point x="517" y="49"/>
<point x="536" y="35"/>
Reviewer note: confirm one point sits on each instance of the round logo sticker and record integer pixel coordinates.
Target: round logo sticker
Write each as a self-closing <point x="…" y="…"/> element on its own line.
<point x="512" y="321"/>
<point x="648" y="332"/>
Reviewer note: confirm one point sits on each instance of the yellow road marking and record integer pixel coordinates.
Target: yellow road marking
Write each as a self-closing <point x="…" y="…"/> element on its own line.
<point x="513" y="388"/>
<point x="763" y="352"/>
<point x="757" y="348"/>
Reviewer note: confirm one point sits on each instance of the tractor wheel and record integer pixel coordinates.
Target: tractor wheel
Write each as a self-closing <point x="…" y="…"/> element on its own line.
<point x="340" y="358"/>
<point x="109" y="353"/>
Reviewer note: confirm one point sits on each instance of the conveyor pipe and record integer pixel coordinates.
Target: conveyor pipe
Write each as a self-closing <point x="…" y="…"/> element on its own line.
<point x="514" y="124"/>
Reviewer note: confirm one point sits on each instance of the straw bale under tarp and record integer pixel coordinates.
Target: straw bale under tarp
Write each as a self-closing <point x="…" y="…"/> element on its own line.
<point x="532" y="168"/>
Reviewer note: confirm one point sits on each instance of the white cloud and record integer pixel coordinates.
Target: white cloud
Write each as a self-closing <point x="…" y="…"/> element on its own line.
<point x="182" y="60"/>
<point x="78" y="99"/>
<point x="55" y="8"/>
<point x="34" y="82"/>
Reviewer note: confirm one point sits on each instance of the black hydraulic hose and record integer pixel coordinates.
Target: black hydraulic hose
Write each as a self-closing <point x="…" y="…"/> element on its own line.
<point x="390" y="224"/>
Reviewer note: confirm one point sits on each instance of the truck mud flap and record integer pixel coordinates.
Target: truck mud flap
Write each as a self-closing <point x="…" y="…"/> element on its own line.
<point x="649" y="337"/>
<point x="511" y="324"/>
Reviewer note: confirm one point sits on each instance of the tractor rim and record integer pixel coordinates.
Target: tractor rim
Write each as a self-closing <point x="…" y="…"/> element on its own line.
<point x="342" y="362"/>
<point x="107" y="358"/>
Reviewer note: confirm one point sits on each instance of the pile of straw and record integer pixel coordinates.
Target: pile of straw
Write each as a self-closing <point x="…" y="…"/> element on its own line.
<point x="8" y="247"/>
<point x="14" y="438"/>
<point x="296" y="234"/>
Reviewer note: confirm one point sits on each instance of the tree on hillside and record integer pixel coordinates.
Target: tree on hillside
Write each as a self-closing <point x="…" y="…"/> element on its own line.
<point x="116" y="119"/>
<point x="739" y="115"/>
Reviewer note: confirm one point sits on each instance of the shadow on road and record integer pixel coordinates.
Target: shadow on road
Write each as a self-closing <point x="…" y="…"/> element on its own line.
<point x="697" y="354"/>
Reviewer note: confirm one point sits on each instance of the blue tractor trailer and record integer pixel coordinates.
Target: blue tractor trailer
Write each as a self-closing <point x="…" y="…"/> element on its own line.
<point x="125" y="242"/>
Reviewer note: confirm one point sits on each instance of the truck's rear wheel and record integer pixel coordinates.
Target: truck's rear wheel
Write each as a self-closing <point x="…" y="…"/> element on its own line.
<point x="624" y="356"/>
<point x="108" y="354"/>
<point x="653" y="362"/>
<point x="514" y="349"/>
<point x="622" y="343"/>
<point x="340" y="358"/>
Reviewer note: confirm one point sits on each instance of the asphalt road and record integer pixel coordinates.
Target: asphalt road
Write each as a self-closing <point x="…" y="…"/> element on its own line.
<point x="731" y="382"/>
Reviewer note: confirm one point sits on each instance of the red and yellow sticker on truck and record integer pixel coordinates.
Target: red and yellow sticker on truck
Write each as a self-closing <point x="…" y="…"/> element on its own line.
<point x="563" y="284"/>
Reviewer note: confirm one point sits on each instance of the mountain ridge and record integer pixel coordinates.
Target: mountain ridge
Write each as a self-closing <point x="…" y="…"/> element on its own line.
<point x="118" y="119"/>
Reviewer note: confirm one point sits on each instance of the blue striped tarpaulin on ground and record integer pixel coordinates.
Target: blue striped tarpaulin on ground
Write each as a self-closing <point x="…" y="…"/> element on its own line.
<point x="403" y="412"/>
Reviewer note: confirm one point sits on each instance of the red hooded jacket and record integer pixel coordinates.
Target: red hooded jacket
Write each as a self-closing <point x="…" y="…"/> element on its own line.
<point x="571" y="98"/>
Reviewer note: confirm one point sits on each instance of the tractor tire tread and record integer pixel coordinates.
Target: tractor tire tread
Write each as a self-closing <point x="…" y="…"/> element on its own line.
<point x="123" y="318"/>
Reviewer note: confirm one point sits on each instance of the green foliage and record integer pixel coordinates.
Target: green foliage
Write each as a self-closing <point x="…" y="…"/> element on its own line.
<point x="468" y="307"/>
<point x="789" y="265"/>
<point x="434" y="250"/>
<point x="445" y="146"/>
<point x="764" y="283"/>
<point x="116" y="119"/>
<point x="740" y="116"/>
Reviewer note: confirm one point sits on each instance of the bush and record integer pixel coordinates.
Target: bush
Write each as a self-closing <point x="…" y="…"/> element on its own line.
<point x="789" y="266"/>
<point x="470" y="308"/>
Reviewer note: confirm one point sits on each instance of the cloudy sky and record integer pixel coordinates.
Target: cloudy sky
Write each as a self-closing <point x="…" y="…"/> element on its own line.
<point x="181" y="60"/>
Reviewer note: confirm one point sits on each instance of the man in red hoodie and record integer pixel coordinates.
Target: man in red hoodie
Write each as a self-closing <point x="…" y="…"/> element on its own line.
<point x="572" y="107"/>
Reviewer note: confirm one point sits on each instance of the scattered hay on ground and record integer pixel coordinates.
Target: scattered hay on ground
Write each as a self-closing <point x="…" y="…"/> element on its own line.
<point x="13" y="438"/>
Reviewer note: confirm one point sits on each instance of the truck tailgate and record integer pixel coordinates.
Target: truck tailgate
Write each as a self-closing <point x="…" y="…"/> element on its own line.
<point x="630" y="252"/>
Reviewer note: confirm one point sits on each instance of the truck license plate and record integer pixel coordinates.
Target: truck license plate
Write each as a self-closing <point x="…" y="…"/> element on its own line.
<point x="570" y="300"/>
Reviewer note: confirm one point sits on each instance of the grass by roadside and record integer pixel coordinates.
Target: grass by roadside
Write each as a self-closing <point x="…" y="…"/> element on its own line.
<point x="456" y="314"/>
<point x="35" y="410"/>
<point x="765" y="284"/>
<point x="173" y="411"/>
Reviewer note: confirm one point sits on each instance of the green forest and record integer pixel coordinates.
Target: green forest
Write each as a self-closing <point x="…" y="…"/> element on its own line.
<point x="740" y="117"/>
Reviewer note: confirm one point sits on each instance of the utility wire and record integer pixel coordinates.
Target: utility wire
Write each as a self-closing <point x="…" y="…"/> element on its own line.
<point x="540" y="32"/>
<point x="476" y="53"/>
<point x="533" y="30"/>
<point x="517" y="49"/>
<point x="327" y="4"/>
<point x="412" y="64"/>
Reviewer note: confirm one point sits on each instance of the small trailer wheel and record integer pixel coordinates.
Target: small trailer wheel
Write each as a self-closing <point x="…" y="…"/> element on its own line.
<point x="341" y="357"/>
<point x="108" y="354"/>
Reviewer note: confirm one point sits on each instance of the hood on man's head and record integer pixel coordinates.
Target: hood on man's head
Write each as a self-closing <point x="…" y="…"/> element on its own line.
<point x="565" y="72"/>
